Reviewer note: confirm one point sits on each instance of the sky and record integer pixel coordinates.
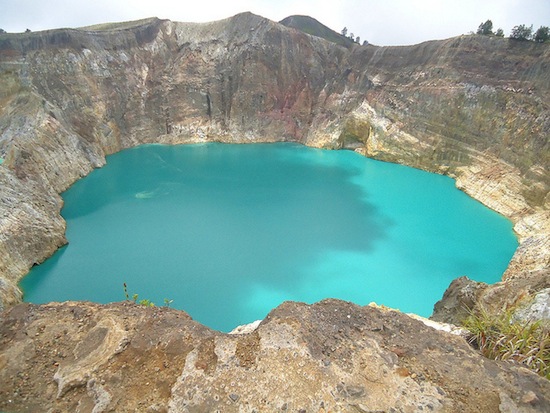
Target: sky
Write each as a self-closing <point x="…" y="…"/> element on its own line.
<point x="380" y="22"/>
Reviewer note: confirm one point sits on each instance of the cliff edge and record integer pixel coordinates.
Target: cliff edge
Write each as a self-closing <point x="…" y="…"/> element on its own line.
<point x="328" y="357"/>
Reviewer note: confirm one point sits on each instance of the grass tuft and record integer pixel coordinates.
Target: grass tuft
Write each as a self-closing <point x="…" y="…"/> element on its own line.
<point x="500" y="337"/>
<point x="144" y="302"/>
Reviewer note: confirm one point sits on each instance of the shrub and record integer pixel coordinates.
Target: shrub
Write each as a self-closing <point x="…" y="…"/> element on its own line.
<point x="521" y="32"/>
<point x="485" y="28"/>
<point x="542" y="34"/>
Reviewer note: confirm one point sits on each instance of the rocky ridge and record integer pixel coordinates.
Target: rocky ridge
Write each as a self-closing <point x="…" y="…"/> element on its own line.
<point x="472" y="107"/>
<point x="328" y="357"/>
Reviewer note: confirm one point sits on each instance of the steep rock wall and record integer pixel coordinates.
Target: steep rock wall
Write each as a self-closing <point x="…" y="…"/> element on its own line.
<point x="471" y="107"/>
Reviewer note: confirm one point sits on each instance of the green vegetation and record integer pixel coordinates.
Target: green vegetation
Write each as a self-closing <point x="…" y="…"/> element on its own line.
<point x="501" y="337"/>
<point x="352" y="37"/>
<point x="521" y="32"/>
<point x="542" y="34"/>
<point x="144" y="302"/>
<point x="524" y="33"/>
<point x="485" y="28"/>
<point x="313" y="27"/>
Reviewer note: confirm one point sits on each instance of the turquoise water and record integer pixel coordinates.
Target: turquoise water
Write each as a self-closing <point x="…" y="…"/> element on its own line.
<point x="228" y="232"/>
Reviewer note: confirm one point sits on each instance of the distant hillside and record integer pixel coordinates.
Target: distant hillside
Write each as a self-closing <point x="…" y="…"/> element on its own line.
<point x="311" y="26"/>
<point x="120" y="25"/>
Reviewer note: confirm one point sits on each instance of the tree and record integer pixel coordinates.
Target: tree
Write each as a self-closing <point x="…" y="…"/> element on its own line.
<point x="499" y="33"/>
<point x="521" y="32"/>
<point x="2" y="31"/>
<point x="28" y="31"/>
<point x="358" y="40"/>
<point x="344" y="31"/>
<point x="542" y="34"/>
<point x="485" y="28"/>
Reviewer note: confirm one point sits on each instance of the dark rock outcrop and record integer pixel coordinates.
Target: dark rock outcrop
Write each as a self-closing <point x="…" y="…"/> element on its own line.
<point x="460" y="299"/>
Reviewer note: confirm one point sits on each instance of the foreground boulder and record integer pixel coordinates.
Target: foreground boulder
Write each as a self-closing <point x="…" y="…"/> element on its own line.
<point x="331" y="356"/>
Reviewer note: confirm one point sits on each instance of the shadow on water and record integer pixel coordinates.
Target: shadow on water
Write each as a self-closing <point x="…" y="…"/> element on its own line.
<point x="266" y="184"/>
<point x="283" y="224"/>
<point x="230" y="231"/>
<point x="203" y="223"/>
<point x="32" y="285"/>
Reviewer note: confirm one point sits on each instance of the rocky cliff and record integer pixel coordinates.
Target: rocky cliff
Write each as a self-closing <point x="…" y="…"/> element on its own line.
<point x="473" y="107"/>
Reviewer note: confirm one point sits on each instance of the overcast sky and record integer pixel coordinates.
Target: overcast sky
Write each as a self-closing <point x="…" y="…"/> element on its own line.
<point x="381" y="22"/>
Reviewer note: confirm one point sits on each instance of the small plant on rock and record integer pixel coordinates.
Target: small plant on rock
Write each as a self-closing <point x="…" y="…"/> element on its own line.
<point x="126" y="292"/>
<point x="500" y="337"/>
<point x="146" y="303"/>
<point x="135" y="297"/>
